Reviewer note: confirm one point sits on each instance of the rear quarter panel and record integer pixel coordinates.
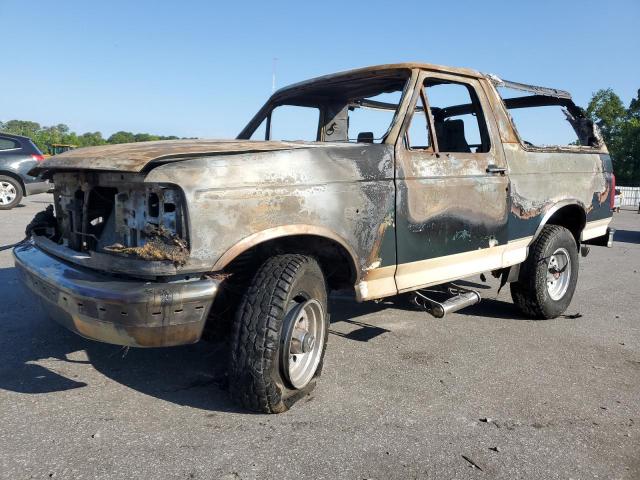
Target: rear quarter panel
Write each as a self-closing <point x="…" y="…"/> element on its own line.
<point x="541" y="180"/>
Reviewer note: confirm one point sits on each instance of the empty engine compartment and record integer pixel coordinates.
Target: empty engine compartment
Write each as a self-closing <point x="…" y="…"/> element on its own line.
<point x="120" y="214"/>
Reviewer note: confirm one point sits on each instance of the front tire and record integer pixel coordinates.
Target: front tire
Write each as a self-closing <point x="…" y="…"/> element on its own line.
<point x="279" y="334"/>
<point x="549" y="275"/>
<point x="10" y="192"/>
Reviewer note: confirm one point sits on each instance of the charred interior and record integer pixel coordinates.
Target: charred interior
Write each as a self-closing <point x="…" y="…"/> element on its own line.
<point x="119" y="214"/>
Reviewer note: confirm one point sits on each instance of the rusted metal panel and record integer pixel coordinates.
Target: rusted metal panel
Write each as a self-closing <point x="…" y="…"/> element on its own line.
<point x="447" y="203"/>
<point x="540" y="180"/>
<point x="347" y="190"/>
<point x="546" y="91"/>
<point x="376" y="70"/>
<point x="134" y="157"/>
<point x="117" y="310"/>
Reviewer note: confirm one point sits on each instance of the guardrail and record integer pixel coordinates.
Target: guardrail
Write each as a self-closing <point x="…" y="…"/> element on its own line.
<point x="630" y="196"/>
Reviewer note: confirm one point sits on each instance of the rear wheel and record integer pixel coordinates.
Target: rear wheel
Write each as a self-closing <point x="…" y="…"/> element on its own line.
<point x="10" y="192"/>
<point x="279" y="335"/>
<point x="549" y="275"/>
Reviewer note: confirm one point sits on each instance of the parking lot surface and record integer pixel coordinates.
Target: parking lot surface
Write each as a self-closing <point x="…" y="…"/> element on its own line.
<point x="484" y="393"/>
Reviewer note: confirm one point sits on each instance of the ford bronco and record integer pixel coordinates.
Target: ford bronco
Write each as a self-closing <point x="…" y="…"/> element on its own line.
<point x="384" y="180"/>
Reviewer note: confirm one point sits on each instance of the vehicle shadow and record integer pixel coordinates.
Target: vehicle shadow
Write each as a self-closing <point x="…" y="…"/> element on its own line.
<point x="23" y="341"/>
<point x="193" y="375"/>
<point x="344" y="309"/>
<point x="494" y="308"/>
<point x="627" y="236"/>
<point x="37" y="356"/>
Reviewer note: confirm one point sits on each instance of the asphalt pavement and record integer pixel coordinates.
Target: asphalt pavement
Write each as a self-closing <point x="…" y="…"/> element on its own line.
<point x="484" y="393"/>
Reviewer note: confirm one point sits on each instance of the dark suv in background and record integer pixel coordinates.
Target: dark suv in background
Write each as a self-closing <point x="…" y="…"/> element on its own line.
<point x="18" y="155"/>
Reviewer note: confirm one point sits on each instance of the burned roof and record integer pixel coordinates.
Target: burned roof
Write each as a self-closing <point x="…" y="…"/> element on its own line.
<point x="388" y="69"/>
<point x="385" y="70"/>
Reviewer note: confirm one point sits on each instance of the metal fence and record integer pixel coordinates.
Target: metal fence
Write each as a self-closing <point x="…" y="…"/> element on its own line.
<point x="630" y="196"/>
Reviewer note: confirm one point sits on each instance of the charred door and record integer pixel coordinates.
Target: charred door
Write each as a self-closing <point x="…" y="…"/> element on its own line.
<point x="452" y="187"/>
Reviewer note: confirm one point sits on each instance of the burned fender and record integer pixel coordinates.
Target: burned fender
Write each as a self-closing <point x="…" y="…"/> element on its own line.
<point x="280" y="232"/>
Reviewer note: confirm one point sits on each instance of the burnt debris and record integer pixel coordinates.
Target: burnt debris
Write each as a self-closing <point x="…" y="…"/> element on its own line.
<point x="161" y="244"/>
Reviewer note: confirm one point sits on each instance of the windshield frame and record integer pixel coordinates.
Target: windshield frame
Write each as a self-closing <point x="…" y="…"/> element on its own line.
<point x="303" y="94"/>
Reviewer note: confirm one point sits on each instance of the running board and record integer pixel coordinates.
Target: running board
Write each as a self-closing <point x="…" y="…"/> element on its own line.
<point x="459" y="298"/>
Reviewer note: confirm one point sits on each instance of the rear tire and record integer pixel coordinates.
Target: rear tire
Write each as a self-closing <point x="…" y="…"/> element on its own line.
<point x="549" y="275"/>
<point x="10" y="192"/>
<point x="279" y="334"/>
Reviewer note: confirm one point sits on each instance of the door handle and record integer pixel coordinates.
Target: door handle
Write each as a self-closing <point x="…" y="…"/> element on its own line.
<point x="496" y="169"/>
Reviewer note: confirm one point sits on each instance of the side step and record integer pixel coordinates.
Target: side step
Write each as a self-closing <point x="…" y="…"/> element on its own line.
<point x="436" y="305"/>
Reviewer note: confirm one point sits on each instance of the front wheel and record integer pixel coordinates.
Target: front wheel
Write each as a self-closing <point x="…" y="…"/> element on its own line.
<point x="549" y="275"/>
<point x="279" y="334"/>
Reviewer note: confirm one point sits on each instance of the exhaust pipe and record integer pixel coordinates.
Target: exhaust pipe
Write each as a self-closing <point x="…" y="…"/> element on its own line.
<point x="456" y="303"/>
<point x="460" y="298"/>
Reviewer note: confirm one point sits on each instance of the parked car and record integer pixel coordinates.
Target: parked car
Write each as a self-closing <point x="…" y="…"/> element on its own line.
<point x="18" y="155"/>
<point x="384" y="180"/>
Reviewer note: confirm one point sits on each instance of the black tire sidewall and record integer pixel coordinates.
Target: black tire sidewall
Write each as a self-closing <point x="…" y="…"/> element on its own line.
<point x="561" y="238"/>
<point x="17" y="186"/>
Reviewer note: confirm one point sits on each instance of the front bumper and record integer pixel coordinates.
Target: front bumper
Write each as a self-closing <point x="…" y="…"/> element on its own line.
<point x="115" y="310"/>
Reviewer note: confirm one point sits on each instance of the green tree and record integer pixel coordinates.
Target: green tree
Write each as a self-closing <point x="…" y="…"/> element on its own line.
<point x="44" y="136"/>
<point x="634" y="107"/>
<point x="144" y="137"/>
<point x="621" y="130"/>
<point x="121" y="137"/>
<point x="21" y="127"/>
<point x="607" y="111"/>
<point x="90" y="139"/>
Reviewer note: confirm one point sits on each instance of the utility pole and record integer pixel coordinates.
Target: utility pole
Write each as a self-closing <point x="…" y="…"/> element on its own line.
<point x="273" y="74"/>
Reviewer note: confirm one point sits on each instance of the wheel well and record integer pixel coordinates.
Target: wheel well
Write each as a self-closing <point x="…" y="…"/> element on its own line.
<point x="15" y="176"/>
<point x="572" y="217"/>
<point x="336" y="262"/>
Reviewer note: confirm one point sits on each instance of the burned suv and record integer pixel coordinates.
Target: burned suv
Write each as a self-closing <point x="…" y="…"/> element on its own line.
<point x="384" y="180"/>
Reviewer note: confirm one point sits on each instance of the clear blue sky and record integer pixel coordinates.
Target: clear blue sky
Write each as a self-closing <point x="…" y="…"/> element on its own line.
<point x="202" y="68"/>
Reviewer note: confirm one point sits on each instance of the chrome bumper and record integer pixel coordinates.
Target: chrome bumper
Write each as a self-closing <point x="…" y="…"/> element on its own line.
<point x="116" y="310"/>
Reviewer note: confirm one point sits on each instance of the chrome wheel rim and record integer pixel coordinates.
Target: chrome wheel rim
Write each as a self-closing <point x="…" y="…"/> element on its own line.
<point x="7" y="193"/>
<point x="303" y="342"/>
<point x="558" y="273"/>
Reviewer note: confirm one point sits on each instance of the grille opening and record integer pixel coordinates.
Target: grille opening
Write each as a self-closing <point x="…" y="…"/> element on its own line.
<point x="86" y="216"/>
<point x="96" y="212"/>
<point x="101" y="201"/>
